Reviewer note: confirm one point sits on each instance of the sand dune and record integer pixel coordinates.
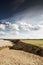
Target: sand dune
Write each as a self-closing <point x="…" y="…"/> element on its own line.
<point x="17" y="57"/>
<point x="4" y="43"/>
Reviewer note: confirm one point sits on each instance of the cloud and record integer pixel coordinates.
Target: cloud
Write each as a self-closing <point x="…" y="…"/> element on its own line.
<point x="35" y="27"/>
<point x="28" y="23"/>
<point x="2" y="33"/>
<point x="24" y="26"/>
<point x="41" y="26"/>
<point x="8" y="29"/>
<point x="20" y="26"/>
<point x="2" y="26"/>
<point x="14" y="27"/>
<point x="20" y="30"/>
<point x="9" y="26"/>
<point x="14" y="32"/>
<point x="7" y="23"/>
<point x="29" y="27"/>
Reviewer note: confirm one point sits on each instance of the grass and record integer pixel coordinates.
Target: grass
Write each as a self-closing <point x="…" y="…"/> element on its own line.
<point x="37" y="42"/>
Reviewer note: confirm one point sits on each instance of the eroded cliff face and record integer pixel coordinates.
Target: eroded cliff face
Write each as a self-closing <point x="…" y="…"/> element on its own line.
<point x="19" y="45"/>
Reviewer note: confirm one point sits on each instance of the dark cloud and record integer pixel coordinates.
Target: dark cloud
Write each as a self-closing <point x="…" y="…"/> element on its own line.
<point x="9" y="8"/>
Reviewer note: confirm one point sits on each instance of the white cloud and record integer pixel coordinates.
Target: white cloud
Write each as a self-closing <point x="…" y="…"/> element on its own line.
<point x="14" y="27"/>
<point x="11" y="26"/>
<point x="2" y="33"/>
<point x="14" y="33"/>
<point x="24" y="26"/>
<point x="8" y="29"/>
<point x="2" y="26"/>
<point x="32" y="30"/>
<point x="35" y="27"/>
<point x="7" y="23"/>
<point x="20" y="26"/>
<point x="27" y="27"/>
<point x="41" y="26"/>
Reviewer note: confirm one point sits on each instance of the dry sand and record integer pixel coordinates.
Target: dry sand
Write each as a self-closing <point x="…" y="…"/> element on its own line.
<point x="18" y="57"/>
<point x="4" y="43"/>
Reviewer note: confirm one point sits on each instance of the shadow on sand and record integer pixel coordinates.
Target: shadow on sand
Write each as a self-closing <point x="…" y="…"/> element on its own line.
<point x="19" y="45"/>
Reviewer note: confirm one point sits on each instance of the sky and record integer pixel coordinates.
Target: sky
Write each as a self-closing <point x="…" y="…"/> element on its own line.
<point x="21" y="19"/>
